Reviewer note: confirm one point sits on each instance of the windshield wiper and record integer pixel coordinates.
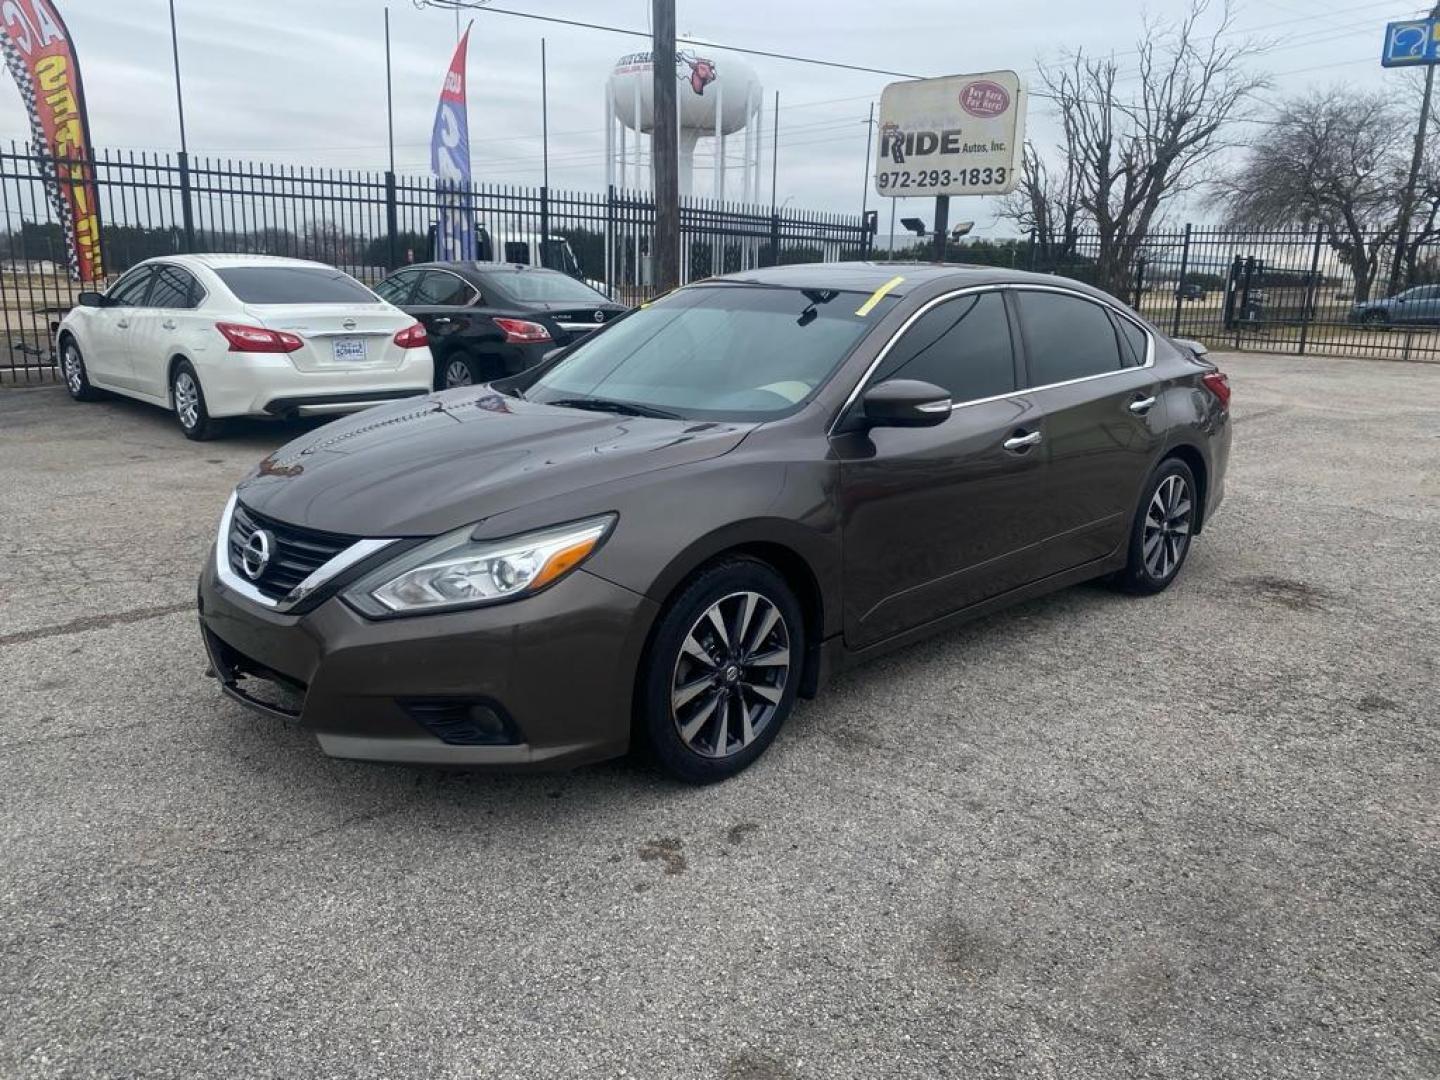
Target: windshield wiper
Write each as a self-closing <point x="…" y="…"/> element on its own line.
<point x="624" y="408"/>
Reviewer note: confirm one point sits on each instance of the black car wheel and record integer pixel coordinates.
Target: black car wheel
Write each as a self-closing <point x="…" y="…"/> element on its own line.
<point x="1375" y="318"/>
<point x="722" y="671"/>
<point x="457" y="370"/>
<point x="1160" y="537"/>
<point x="72" y="366"/>
<point x="189" y="399"/>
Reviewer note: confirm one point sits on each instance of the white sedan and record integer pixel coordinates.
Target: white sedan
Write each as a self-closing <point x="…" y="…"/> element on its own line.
<point x="211" y="336"/>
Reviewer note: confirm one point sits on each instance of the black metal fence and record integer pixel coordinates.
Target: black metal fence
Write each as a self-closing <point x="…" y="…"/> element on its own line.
<point x="366" y="223"/>
<point x="1300" y="292"/>
<point x="1297" y="292"/>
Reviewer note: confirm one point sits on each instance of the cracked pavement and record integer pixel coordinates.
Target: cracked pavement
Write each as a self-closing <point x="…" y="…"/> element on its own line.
<point x="1194" y="835"/>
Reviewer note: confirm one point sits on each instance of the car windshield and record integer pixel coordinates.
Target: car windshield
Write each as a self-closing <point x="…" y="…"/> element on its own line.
<point x="723" y="352"/>
<point x="544" y="287"/>
<point x="294" y="285"/>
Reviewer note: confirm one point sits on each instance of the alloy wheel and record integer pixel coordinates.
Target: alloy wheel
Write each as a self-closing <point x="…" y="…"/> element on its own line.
<point x="74" y="369"/>
<point x="730" y="675"/>
<point x="1167" y="527"/>
<point x="457" y="373"/>
<point x="187" y="400"/>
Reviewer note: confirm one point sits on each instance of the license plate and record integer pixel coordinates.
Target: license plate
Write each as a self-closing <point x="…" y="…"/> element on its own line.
<point x="349" y="350"/>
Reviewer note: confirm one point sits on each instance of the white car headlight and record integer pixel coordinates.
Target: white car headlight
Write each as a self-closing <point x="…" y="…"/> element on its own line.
<point x="454" y="571"/>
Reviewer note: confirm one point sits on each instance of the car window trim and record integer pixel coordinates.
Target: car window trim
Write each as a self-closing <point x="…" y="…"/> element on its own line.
<point x="194" y="281"/>
<point x="1003" y="288"/>
<point x="474" y="292"/>
<point x="144" y="270"/>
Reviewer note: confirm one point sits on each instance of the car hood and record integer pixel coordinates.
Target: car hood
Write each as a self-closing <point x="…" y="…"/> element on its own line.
<point x="423" y="466"/>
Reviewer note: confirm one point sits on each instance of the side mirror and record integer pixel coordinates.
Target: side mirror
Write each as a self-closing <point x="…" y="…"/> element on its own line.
<point x="905" y="403"/>
<point x="90" y="299"/>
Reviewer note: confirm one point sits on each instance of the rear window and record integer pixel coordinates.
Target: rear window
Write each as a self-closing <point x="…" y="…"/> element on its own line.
<point x="541" y="287"/>
<point x="294" y="285"/>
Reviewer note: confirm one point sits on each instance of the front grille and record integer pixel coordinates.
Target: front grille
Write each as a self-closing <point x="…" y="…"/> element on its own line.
<point x="297" y="553"/>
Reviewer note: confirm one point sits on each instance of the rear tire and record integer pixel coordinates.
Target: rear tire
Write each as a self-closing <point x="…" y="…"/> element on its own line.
<point x="1163" y="529"/>
<point x="189" y="400"/>
<point x="1375" y="318"/>
<point x="722" y="671"/>
<point x="77" y="379"/>
<point x="457" y="370"/>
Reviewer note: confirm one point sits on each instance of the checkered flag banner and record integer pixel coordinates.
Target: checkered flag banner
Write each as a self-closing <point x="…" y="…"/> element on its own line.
<point x="41" y="59"/>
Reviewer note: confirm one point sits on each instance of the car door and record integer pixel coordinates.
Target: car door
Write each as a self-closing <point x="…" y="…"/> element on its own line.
<point x="1090" y="371"/>
<point x="1428" y="312"/>
<point x="440" y="301"/>
<point x="161" y="324"/>
<point x="936" y="519"/>
<point x="108" y="352"/>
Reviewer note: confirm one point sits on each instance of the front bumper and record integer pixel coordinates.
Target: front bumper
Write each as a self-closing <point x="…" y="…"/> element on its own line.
<point x="558" y="667"/>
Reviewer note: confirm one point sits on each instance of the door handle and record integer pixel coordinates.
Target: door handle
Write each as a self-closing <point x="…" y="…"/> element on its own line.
<point x="1018" y="444"/>
<point x="123" y="324"/>
<point x="1141" y="406"/>
<point x="168" y="324"/>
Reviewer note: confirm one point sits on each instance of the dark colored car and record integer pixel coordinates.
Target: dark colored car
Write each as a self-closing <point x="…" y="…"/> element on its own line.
<point x="1419" y="306"/>
<point x="1190" y="290"/>
<point x="669" y="531"/>
<point x="489" y="320"/>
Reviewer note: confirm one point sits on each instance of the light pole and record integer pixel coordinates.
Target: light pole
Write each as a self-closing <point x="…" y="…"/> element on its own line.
<point x="1407" y="204"/>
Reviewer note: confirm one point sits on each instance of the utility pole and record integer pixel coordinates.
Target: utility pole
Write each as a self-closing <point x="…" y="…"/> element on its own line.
<point x="865" y="184"/>
<point x="1407" y="204"/>
<point x="179" y="97"/>
<point x="664" y="149"/>
<point x="389" y="94"/>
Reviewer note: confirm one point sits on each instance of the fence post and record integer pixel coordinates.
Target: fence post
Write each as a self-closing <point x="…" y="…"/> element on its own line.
<point x="1139" y="281"/>
<point x="1312" y="285"/>
<point x="544" y="221"/>
<point x="1180" y="284"/>
<point x="392" y="223"/>
<point x="775" y="238"/>
<point x="611" y="256"/>
<point x="187" y="212"/>
<point x="1030" y="254"/>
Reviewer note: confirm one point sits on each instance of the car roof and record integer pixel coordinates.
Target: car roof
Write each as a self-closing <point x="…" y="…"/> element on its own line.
<point x="220" y="261"/>
<point x="869" y="276"/>
<point x="474" y="266"/>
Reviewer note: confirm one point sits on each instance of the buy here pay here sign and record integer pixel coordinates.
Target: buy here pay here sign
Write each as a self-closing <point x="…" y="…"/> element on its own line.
<point x="960" y="135"/>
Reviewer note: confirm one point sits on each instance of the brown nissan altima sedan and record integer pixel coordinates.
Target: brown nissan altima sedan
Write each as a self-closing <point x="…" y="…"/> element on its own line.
<point x="664" y="534"/>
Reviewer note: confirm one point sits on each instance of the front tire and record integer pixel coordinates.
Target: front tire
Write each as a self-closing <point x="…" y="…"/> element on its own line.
<point x="1375" y="318"/>
<point x="77" y="379"/>
<point x="1163" y="529"/>
<point x="189" y="400"/>
<point x="722" y="671"/>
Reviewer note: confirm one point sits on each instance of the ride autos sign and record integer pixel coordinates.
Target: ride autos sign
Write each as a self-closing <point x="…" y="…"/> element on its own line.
<point x="960" y="135"/>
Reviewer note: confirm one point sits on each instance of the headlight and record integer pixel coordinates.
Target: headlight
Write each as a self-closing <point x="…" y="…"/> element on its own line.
<point x="454" y="571"/>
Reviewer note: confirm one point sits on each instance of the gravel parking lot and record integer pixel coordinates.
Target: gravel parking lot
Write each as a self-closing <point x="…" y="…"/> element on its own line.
<point x="1188" y="836"/>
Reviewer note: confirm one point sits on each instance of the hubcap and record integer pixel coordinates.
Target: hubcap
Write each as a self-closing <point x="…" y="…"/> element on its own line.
<point x="73" y="369"/>
<point x="730" y="675"/>
<point x="187" y="400"/>
<point x="1167" y="527"/>
<point x="457" y="373"/>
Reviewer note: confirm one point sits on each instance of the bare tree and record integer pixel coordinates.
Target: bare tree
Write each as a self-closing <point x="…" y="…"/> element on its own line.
<point x="1046" y="205"/>
<point x="1131" y="154"/>
<point x="1334" y="158"/>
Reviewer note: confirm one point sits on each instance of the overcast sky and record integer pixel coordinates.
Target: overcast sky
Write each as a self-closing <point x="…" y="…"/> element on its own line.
<point x="304" y="80"/>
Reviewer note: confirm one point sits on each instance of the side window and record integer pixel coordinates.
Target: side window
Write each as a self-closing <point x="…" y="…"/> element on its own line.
<point x="396" y="288"/>
<point x="173" y="288"/>
<point x="962" y="344"/>
<point x="1135" y="342"/>
<point x="130" y="289"/>
<point x="517" y="251"/>
<point x="442" y="287"/>
<point x="1066" y="337"/>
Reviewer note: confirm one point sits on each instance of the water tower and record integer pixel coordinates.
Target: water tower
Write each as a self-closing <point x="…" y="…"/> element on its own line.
<point x="717" y="96"/>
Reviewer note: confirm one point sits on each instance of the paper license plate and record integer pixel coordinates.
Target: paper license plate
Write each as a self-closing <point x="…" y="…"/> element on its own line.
<point x="348" y="350"/>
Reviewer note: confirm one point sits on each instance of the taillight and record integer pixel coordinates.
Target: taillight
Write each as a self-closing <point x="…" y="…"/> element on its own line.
<point x="258" y="339"/>
<point x="412" y="337"/>
<point x="522" y="332"/>
<point x="1218" y="383"/>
